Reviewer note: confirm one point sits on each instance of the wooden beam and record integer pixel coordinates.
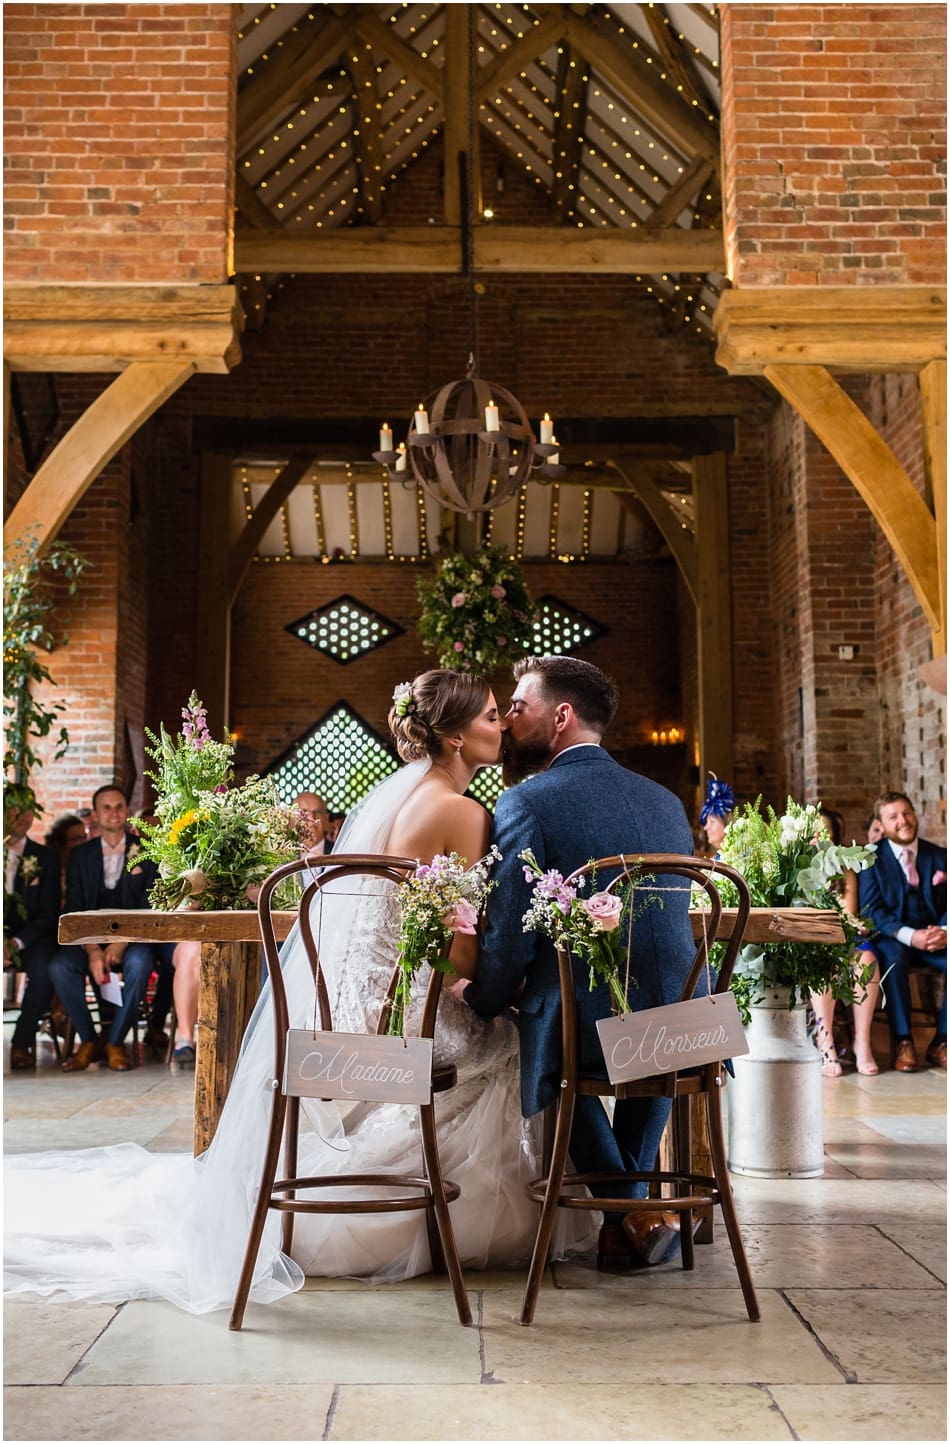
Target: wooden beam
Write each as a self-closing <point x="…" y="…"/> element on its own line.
<point x="366" y="133"/>
<point x="933" y="399"/>
<point x="713" y="616"/>
<point x="675" y="57"/>
<point x="251" y="207"/>
<point x="679" y="195"/>
<point x="621" y="67"/>
<point x="639" y="481"/>
<point x="106" y="328"/>
<point x="455" y="108"/>
<point x="874" y="470"/>
<point x="242" y="550"/>
<point x="288" y="79"/>
<point x="89" y="445"/>
<point x="846" y="328"/>
<point x="521" y="53"/>
<point x="384" y="39"/>
<point x="570" y="117"/>
<point x="424" y="249"/>
<point x="213" y="612"/>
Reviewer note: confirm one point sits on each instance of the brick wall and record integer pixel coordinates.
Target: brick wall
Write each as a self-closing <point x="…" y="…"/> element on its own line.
<point x="117" y="142"/>
<point x="834" y="143"/>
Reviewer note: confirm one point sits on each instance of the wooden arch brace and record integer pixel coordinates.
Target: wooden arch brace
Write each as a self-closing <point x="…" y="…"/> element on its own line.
<point x="243" y="549"/>
<point x="89" y="445"/>
<point x="877" y="475"/>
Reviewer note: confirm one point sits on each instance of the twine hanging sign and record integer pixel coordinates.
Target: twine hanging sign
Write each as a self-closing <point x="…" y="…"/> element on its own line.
<point x="351" y="1066"/>
<point x="672" y="1038"/>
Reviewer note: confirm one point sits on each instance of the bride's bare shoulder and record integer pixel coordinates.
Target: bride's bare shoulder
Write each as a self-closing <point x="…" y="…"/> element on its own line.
<point x="440" y="820"/>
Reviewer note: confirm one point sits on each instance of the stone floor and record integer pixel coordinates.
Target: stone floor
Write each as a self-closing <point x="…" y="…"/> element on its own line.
<point x="850" y="1270"/>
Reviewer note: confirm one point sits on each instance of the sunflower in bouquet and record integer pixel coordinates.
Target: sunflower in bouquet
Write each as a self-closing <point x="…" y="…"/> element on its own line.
<point x="211" y="841"/>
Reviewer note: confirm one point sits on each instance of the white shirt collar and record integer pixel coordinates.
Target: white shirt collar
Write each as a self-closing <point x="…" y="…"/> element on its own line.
<point x="898" y="849"/>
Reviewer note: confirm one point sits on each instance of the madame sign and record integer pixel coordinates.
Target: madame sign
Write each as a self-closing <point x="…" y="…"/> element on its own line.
<point x="664" y="1040"/>
<point x="353" y="1066"/>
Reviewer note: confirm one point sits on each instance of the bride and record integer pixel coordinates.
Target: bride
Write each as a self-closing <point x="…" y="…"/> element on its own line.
<point x="117" y="1223"/>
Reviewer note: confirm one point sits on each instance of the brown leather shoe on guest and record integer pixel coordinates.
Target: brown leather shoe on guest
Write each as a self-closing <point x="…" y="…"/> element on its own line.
<point x="117" y="1057"/>
<point x="85" y="1054"/>
<point x="905" y="1059"/>
<point x="614" y="1254"/>
<point x="23" y="1060"/>
<point x="936" y="1055"/>
<point x="655" y="1236"/>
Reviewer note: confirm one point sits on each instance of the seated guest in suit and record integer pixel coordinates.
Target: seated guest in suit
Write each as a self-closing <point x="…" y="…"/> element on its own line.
<point x="317" y="815"/>
<point x="97" y="876"/>
<point x="905" y="896"/>
<point x="30" y="915"/>
<point x="67" y="832"/>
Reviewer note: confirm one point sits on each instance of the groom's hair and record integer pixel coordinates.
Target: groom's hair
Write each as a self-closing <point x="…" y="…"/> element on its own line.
<point x="591" y="693"/>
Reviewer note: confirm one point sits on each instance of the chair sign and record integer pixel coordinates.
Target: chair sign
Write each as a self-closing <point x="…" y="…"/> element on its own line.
<point x="354" y="1066"/>
<point x="673" y="1038"/>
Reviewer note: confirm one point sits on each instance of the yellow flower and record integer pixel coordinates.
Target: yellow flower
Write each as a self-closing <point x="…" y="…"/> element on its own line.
<point x="179" y="825"/>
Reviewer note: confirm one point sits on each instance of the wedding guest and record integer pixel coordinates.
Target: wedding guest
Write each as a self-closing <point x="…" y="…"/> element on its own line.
<point x="31" y="904"/>
<point x="863" y="1008"/>
<point x="89" y="821"/>
<point x="66" y="833"/>
<point x="186" y="960"/>
<point x="317" y="816"/>
<point x="905" y="896"/>
<point x="98" y="876"/>
<point x="716" y="813"/>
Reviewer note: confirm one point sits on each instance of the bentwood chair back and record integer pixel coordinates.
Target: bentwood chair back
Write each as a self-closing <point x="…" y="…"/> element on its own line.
<point x="692" y="1190"/>
<point x="428" y="1190"/>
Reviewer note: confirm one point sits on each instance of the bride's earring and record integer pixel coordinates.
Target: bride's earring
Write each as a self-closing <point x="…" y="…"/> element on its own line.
<point x="458" y="749"/>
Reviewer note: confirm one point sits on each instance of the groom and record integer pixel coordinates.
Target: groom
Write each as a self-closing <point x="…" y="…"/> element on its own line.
<point x="581" y="805"/>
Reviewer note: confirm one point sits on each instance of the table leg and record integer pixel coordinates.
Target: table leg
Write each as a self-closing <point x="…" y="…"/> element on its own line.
<point x="230" y="983"/>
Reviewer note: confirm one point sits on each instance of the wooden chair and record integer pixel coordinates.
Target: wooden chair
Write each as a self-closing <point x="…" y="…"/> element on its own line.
<point x="692" y="1190"/>
<point x="427" y="1190"/>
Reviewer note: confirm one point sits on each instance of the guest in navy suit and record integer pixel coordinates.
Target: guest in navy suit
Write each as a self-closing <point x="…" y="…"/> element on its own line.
<point x="31" y="912"/>
<point x="581" y="805"/>
<point x="905" y="896"/>
<point x="98" y="876"/>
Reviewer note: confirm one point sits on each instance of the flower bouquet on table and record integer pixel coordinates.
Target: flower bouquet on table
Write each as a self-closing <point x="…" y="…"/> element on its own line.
<point x="790" y="861"/>
<point x="441" y="898"/>
<point x="211" y="842"/>
<point x="477" y="613"/>
<point x="597" y="929"/>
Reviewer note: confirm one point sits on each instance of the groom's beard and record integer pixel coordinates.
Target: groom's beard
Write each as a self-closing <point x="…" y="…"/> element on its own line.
<point x="522" y="759"/>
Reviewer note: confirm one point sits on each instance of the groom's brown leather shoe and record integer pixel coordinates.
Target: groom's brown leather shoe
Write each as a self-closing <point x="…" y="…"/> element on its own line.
<point x="905" y="1059"/>
<point x="85" y="1054"/>
<point x="614" y="1250"/>
<point x="655" y="1237"/>
<point x="937" y="1055"/>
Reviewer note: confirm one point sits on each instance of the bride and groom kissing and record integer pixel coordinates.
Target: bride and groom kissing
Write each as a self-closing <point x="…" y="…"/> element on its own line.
<point x="143" y="1225"/>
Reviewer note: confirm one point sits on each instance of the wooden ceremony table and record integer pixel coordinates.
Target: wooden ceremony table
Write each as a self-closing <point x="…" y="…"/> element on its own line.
<point x="231" y="955"/>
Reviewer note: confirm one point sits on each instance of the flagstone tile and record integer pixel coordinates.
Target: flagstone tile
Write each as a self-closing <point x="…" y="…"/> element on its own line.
<point x="877" y="1158"/>
<point x="927" y="1243"/>
<point x="43" y="1342"/>
<point x="556" y="1411"/>
<point x="864" y="1411"/>
<point x="32" y="1135"/>
<point x="879" y="1335"/>
<point x="832" y="1200"/>
<point x="183" y="1411"/>
<point x="574" y="1338"/>
<point x="308" y="1338"/>
<point x="475" y="1281"/>
<point x="780" y="1256"/>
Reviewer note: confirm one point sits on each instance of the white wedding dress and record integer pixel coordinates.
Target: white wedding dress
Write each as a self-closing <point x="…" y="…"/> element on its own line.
<point x="117" y="1223"/>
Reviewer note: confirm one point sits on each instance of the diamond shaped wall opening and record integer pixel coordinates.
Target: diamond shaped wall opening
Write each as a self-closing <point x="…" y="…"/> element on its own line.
<point x="485" y="786"/>
<point x="344" y="629"/>
<point x="341" y="758"/>
<point x="562" y="628"/>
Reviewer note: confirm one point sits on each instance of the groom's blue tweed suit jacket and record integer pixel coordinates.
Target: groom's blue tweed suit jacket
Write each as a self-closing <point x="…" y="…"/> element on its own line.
<point x="584" y="806"/>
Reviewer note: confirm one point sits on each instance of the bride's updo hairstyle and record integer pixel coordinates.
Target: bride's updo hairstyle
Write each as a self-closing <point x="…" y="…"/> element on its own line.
<point x="432" y="706"/>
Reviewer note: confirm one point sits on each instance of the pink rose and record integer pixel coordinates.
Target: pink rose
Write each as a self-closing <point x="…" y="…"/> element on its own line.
<point x="462" y="918"/>
<point x="501" y="641"/>
<point x="498" y="592"/>
<point x="939" y="877"/>
<point x="605" y="909"/>
<point x="459" y="599"/>
<point x="459" y="646"/>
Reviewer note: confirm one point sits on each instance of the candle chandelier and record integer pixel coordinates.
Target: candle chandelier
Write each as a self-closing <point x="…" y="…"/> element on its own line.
<point x="470" y="446"/>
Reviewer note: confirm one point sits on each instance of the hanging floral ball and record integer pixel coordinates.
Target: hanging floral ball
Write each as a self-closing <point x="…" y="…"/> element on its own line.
<point x="477" y="613"/>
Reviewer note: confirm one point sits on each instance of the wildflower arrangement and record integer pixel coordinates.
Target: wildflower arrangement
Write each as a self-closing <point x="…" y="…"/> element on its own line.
<point x="790" y="861"/>
<point x="211" y="841"/>
<point x="441" y="898"/>
<point x="477" y="613"/>
<point x="595" y="929"/>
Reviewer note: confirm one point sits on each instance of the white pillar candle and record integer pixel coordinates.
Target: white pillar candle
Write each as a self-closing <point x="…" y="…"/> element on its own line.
<point x="401" y="456"/>
<point x="491" y="417"/>
<point x="385" y="437"/>
<point x="422" y="420"/>
<point x="555" y="458"/>
<point x="547" y="430"/>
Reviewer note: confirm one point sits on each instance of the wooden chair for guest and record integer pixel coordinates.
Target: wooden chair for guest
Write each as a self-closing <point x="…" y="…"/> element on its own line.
<point x="692" y="1190"/>
<point x="428" y="1190"/>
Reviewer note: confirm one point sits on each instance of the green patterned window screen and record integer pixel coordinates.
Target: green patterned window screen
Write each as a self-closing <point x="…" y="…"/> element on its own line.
<point x="344" y="629"/>
<point x="485" y="786"/>
<point x="341" y="758"/>
<point x="561" y="628"/>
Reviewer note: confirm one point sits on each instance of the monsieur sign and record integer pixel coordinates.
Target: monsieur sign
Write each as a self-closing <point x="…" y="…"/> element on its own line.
<point x="662" y="1040"/>
<point x="351" y="1065"/>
